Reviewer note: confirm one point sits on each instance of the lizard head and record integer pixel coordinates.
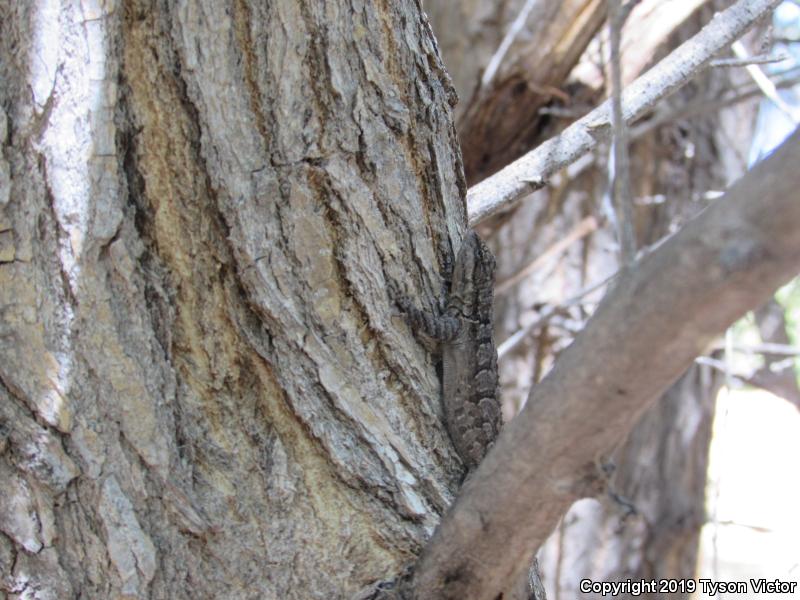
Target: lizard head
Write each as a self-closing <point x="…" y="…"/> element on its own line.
<point x="473" y="275"/>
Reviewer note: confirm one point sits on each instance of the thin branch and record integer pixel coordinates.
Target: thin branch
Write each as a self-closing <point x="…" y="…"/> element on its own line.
<point x="581" y="230"/>
<point x="758" y="528"/>
<point x="530" y="172"/>
<point x="760" y="59"/>
<point x="762" y="379"/>
<point x="619" y="166"/>
<point x="766" y="348"/>
<point x="547" y="313"/>
<point x="502" y="49"/>
<point x="564" y="112"/>
<point x="724" y="368"/>
<point x="702" y="106"/>
<point x="642" y="337"/>
<point x="764" y="83"/>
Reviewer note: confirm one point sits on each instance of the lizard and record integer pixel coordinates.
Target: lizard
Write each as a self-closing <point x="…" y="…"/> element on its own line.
<point x="469" y="378"/>
<point x="469" y="356"/>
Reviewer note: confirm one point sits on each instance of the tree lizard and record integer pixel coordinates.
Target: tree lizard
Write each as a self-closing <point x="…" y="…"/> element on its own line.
<point x="469" y="357"/>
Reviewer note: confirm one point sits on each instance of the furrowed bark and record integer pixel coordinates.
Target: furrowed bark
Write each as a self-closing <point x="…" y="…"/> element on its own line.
<point x="204" y="388"/>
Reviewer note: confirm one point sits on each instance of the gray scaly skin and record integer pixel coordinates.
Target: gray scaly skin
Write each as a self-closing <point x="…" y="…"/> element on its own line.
<point x="469" y="357"/>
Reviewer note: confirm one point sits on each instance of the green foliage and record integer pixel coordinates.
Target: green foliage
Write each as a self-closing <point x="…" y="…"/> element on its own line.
<point x="789" y="298"/>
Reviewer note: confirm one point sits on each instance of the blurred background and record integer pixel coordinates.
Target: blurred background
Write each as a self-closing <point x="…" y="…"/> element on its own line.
<point x="706" y="485"/>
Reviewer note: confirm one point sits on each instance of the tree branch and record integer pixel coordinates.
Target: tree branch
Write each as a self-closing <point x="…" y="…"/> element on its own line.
<point x="619" y="167"/>
<point x="530" y="172"/>
<point x="645" y="333"/>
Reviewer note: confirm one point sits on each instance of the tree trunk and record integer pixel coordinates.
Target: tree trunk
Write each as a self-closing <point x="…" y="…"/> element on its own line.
<point x="206" y="391"/>
<point x="205" y="212"/>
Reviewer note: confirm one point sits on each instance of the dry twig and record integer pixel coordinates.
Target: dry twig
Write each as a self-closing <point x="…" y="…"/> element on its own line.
<point x="531" y="171"/>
